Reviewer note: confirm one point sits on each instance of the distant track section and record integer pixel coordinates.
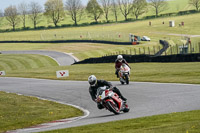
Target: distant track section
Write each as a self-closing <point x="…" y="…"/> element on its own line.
<point x="62" y="59"/>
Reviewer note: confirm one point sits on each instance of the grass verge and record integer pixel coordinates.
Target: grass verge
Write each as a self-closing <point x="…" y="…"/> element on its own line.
<point x="142" y="72"/>
<point x="184" y="122"/>
<point x="22" y="111"/>
<point x="12" y="62"/>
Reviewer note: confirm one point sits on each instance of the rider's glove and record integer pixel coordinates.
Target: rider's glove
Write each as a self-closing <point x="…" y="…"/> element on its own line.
<point x="111" y="88"/>
<point x="95" y="100"/>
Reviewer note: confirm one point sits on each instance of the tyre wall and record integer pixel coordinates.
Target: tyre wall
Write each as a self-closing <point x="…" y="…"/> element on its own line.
<point x="145" y="58"/>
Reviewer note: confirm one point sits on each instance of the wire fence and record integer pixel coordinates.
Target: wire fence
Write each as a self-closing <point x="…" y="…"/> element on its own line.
<point x="157" y="50"/>
<point x="86" y="35"/>
<point x="138" y="51"/>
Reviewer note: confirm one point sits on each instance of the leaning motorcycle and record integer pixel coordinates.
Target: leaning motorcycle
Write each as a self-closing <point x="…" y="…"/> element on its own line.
<point x="111" y="101"/>
<point x="124" y="74"/>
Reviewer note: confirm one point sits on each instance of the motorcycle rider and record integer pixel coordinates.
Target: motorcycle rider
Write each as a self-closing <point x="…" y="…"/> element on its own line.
<point x="95" y="84"/>
<point x="118" y="62"/>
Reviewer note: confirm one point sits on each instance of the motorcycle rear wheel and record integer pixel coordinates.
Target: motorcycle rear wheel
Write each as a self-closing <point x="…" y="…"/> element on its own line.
<point x="126" y="109"/>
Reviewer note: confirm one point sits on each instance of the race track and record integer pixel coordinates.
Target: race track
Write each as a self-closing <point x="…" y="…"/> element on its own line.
<point x="63" y="59"/>
<point x="144" y="99"/>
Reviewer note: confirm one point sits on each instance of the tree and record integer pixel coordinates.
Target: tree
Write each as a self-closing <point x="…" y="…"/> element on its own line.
<point x="11" y="15"/>
<point x="1" y="16"/>
<point x="74" y="9"/>
<point x="195" y="3"/>
<point x="94" y="9"/>
<point x="125" y="7"/>
<point x="106" y="4"/>
<point x="114" y="8"/>
<point x="23" y="11"/>
<point x="35" y="10"/>
<point x="158" y="5"/>
<point x="139" y="7"/>
<point x="55" y="10"/>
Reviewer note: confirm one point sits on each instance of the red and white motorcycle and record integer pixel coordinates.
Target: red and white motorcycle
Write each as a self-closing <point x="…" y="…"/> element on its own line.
<point x="124" y="74"/>
<point x="111" y="101"/>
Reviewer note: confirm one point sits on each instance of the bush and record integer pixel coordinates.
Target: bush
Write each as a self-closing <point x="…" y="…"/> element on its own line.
<point x="192" y="11"/>
<point x="50" y="26"/>
<point x="84" y="24"/>
<point x="66" y="25"/>
<point x="150" y="17"/>
<point x="92" y="23"/>
<point x="182" y="12"/>
<point x="26" y="28"/>
<point x="41" y="27"/>
<point x="130" y="19"/>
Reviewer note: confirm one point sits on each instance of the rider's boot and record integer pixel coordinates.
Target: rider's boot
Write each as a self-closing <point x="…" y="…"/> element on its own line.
<point x="123" y="98"/>
<point x="117" y="75"/>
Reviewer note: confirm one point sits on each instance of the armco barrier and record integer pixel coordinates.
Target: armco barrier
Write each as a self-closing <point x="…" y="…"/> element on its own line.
<point x="71" y="41"/>
<point x="145" y="58"/>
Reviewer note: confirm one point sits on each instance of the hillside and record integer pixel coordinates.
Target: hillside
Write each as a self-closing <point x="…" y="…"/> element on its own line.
<point x="174" y="6"/>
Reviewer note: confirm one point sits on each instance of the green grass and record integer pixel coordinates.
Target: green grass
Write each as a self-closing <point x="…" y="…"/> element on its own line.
<point x="146" y="72"/>
<point x="84" y="50"/>
<point x="21" y="111"/>
<point x="185" y="122"/>
<point x="27" y="66"/>
<point x="112" y="31"/>
<point x="12" y="62"/>
<point x="18" y="115"/>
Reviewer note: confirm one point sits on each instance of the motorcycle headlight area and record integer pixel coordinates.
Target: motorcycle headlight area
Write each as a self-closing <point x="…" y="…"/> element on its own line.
<point x="110" y="94"/>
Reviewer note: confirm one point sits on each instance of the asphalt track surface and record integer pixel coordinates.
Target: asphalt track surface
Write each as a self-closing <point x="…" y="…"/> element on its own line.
<point x="63" y="59"/>
<point x="144" y="98"/>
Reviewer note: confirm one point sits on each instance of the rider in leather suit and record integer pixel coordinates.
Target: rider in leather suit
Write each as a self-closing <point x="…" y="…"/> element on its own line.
<point x="118" y="62"/>
<point x="95" y="84"/>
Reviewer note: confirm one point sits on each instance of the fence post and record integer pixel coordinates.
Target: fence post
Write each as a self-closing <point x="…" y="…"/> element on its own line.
<point x="149" y="50"/>
<point x="171" y="50"/>
<point x="199" y="47"/>
<point x="154" y="50"/>
<point x="135" y="51"/>
<point x="130" y="52"/>
<point x="139" y="51"/>
<point x="177" y="48"/>
<point x="144" y="49"/>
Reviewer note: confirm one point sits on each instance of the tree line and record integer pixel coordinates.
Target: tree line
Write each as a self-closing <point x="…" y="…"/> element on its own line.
<point x="56" y="10"/>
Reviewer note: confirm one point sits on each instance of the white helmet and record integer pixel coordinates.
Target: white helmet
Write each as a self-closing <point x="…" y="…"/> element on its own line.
<point x="92" y="80"/>
<point x="119" y="57"/>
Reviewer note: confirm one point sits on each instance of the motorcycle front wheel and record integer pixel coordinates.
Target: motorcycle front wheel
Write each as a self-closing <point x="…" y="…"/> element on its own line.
<point x="113" y="107"/>
<point x="127" y="79"/>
